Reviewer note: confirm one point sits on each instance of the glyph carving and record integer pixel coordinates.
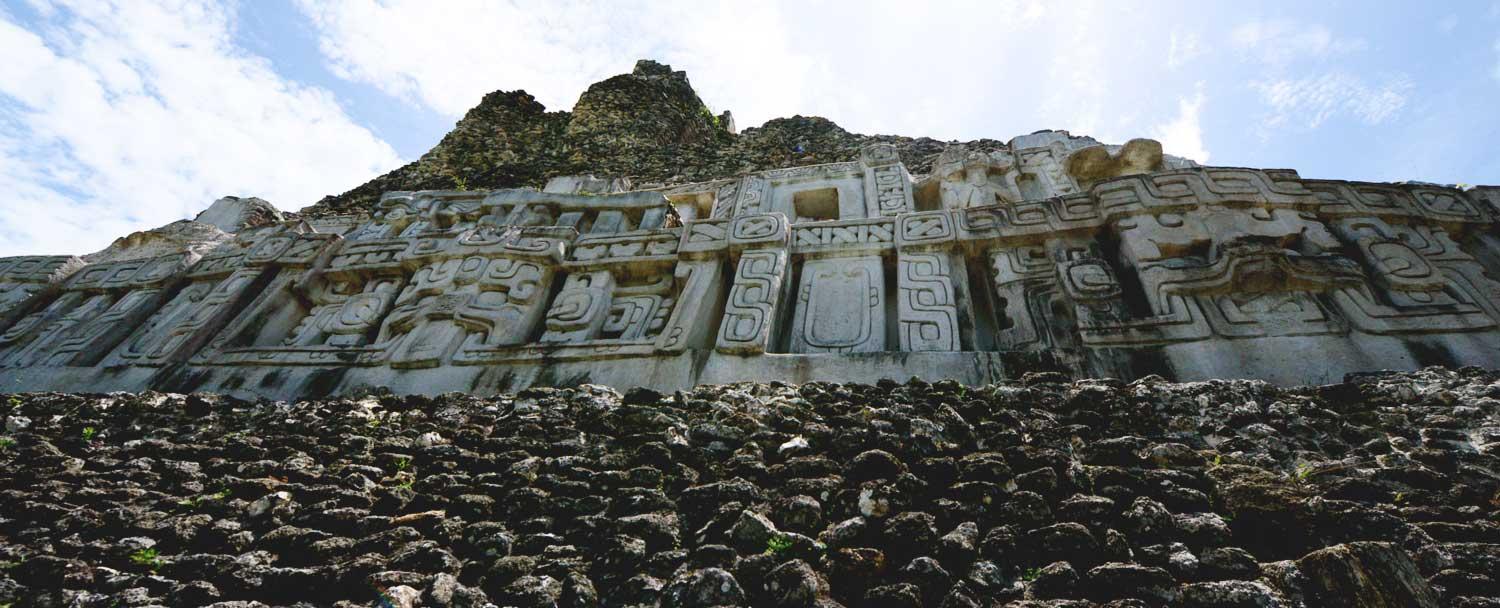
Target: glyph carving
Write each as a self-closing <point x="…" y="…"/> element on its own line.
<point x="751" y="196"/>
<point x="580" y="308"/>
<point x="888" y="188"/>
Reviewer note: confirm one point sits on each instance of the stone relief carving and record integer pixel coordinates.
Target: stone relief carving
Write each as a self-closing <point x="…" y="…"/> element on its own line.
<point x="840" y="307"/>
<point x="217" y="284"/>
<point x="99" y="305"/>
<point x="927" y="309"/>
<point x="976" y="179"/>
<point x="23" y="277"/>
<point x="1050" y="244"/>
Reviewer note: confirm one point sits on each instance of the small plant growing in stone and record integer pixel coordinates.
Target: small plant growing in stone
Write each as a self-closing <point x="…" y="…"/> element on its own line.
<point x="407" y="483"/>
<point x="1031" y="574"/>
<point x="14" y="402"/>
<point x="402" y="464"/>
<point x="147" y="558"/>
<point x="6" y="443"/>
<point x="89" y="432"/>
<point x="777" y="544"/>
<point x="1303" y="473"/>
<point x="197" y="501"/>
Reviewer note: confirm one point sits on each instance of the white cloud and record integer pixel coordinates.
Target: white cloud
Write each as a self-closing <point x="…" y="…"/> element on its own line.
<point x="874" y="67"/>
<point x="124" y="116"/>
<point x="1448" y="23"/>
<point x="1183" y="135"/>
<point x="1279" y="42"/>
<point x="1311" y="101"/>
<point x="1183" y="48"/>
<point x="447" y="55"/>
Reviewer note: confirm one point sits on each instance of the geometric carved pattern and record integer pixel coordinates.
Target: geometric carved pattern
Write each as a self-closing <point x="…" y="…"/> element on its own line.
<point x="752" y="303"/>
<point x="927" y="310"/>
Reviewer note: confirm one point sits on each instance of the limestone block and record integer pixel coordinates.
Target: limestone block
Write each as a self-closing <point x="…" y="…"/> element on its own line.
<point x="586" y="184"/>
<point x="1096" y="163"/>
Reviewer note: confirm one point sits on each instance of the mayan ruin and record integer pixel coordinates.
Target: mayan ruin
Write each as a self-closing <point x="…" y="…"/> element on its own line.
<point x="628" y="355"/>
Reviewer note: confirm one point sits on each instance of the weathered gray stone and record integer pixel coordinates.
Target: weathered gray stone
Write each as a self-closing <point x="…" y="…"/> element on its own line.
<point x="1367" y="574"/>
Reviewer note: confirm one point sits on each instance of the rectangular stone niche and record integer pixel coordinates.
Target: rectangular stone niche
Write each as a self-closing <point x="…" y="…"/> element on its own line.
<point x="816" y="205"/>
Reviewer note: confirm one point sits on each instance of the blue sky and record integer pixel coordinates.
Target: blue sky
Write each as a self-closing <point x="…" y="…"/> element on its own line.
<point x="123" y="116"/>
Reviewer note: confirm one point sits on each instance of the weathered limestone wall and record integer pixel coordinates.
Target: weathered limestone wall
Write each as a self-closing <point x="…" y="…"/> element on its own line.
<point x="1056" y="253"/>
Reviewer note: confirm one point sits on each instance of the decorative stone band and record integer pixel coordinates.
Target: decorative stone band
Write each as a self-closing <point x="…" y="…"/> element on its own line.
<point x="1193" y="273"/>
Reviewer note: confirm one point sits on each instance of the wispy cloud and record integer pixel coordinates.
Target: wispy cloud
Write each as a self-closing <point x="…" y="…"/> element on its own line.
<point x="1183" y="48"/>
<point x="1183" y="135"/>
<point x="1279" y="42"/>
<point x="123" y="116"/>
<point x="1311" y="101"/>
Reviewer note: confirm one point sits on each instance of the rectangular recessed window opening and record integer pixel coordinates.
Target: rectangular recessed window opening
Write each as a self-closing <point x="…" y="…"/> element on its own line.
<point x="816" y="205"/>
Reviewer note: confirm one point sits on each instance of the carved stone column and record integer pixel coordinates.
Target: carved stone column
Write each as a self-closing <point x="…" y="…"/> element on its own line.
<point x="701" y="275"/>
<point x="761" y="244"/>
<point x="887" y="184"/>
<point x="927" y="306"/>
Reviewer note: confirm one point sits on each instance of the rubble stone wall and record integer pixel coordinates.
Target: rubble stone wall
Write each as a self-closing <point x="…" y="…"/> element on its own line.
<point x="1037" y="493"/>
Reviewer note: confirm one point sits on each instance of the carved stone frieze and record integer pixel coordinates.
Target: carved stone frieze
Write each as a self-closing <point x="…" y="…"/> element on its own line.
<point x="1095" y="259"/>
